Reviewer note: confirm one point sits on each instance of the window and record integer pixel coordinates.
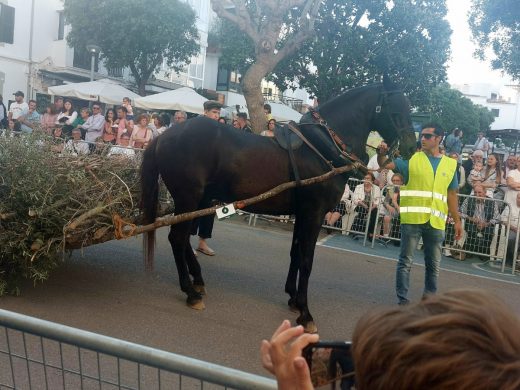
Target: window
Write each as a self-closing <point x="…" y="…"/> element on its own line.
<point x="6" y="23"/>
<point x="61" y="25"/>
<point x="496" y="112"/>
<point x="82" y="59"/>
<point x="494" y="96"/>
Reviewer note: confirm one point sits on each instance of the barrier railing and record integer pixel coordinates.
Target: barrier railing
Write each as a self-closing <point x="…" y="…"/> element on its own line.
<point x="513" y="240"/>
<point x="387" y="217"/>
<point x="486" y="224"/>
<point x="486" y="228"/>
<point x="356" y="213"/>
<point x="44" y="355"/>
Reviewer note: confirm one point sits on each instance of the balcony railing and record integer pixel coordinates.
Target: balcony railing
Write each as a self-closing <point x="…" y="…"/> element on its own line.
<point x="115" y="72"/>
<point x="295" y="104"/>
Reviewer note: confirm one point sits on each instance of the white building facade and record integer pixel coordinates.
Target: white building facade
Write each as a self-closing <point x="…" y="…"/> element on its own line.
<point x="34" y="53"/>
<point x="503" y="101"/>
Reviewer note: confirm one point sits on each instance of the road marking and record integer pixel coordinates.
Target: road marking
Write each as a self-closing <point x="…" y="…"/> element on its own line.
<point x="323" y="241"/>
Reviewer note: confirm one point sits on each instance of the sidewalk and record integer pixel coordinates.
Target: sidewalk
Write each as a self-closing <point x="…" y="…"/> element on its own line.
<point x="472" y="266"/>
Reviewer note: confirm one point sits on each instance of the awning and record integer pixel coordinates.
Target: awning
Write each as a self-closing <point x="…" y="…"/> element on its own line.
<point x="104" y="90"/>
<point x="185" y="99"/>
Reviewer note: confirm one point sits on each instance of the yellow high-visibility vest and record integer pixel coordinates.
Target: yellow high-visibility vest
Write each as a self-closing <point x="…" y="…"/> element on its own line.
<point x="425" y="196"/>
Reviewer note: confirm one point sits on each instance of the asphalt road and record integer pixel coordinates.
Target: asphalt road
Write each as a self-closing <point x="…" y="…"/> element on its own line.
<point x="105" y="290"/>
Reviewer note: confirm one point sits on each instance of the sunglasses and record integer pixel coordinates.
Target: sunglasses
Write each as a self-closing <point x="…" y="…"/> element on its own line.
<point x="96" y="108"/>
<point x="428" y="136"/>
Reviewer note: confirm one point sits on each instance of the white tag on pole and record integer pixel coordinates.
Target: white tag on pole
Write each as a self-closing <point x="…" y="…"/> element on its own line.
<point x="225" y="211"/>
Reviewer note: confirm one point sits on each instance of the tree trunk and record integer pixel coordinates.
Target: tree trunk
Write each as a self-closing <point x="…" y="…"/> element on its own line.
<point x="141" y="87"/>
<point x="251" y="85"/>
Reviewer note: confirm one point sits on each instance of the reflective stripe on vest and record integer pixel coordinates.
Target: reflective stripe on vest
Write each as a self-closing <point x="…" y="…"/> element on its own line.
<point x="423" y="210"/>
<point x="424" y="198"/>
<point x="424" y="194"/>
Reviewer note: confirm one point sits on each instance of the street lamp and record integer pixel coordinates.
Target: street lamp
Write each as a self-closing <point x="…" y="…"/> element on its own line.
<point x="93" y="50"/>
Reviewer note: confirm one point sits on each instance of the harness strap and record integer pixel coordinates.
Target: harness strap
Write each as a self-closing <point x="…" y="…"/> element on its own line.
<point x="336" y="140"/>
<point x="296" y="131"/>
<point x="293" y="160"/>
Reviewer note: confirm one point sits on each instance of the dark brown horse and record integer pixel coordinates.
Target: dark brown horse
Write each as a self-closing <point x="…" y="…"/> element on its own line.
<point x="201" y="159"/>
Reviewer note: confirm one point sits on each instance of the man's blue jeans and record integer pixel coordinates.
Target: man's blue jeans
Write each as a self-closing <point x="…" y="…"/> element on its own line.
<point x="432" y="242"/>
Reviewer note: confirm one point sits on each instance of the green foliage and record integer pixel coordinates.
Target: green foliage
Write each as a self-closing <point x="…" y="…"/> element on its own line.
<point x="451" y="109"/>
<point x="495" y="24"/>
<point x="236" y="48"/>
<point x="137" y="34"/>
<point x="43" y="193"/>
<point x="409" y="42"/>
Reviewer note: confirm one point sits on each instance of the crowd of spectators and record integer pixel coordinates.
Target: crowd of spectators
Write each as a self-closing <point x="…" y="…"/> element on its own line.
<point x="490" y="196"/>
<point x="60" y="118"/>
<point x="85" y="130"/>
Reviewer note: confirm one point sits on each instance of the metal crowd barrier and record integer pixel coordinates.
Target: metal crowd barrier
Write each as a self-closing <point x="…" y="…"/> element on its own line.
<point x="513" y="239"/>
<point x="354" y="219"/>
<point x="38" y="354"/>
<point x="392" y="230"/>
<point x="487" y="240"/>
<point x="253" y="218"/>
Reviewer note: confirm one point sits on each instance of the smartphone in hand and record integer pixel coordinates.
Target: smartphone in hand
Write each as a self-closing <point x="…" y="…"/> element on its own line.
<point x="331" y="364"/>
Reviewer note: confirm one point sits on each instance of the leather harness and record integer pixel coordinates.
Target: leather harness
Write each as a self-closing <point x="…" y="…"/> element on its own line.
<point x="343" y="148"/>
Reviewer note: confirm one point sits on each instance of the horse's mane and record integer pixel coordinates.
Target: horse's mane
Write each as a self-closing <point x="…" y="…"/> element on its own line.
<point x="348" y="94"/>
<point x="350" y="100"/>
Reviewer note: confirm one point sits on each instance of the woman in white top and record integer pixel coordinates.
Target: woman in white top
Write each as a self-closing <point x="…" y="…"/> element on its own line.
<point x="161" y="123"/>
<point x="270" y="128"/>
<point x="492" y="175"/>
<point x="340" y="210"/>
<point x="66" y="117"/>
<point x="366" y="198"/>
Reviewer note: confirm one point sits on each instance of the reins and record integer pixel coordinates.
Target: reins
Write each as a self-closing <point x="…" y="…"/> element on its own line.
<point x="341" y="146"/>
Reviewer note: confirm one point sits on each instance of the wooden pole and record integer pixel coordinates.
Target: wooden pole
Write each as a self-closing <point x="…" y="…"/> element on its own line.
<point x="124" y="229"/>
<point x="174" y="219"/>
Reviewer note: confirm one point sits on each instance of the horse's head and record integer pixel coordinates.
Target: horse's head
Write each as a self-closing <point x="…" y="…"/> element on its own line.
<point x="393" y="121"/>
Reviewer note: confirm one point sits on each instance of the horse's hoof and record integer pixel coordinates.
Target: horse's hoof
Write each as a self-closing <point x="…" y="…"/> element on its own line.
<point x="200" y="288"/>
<point x="196" y="304"/>
<point x="310" y="327"/>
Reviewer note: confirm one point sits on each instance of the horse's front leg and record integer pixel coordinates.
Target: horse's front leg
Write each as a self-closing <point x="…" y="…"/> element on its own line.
<point x="307" y="237"/>
<point x="179" y="238"/>
<point x="290" y="284"/>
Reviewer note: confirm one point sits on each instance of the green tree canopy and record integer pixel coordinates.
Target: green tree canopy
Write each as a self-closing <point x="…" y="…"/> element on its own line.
<point x="495" y="24"/>
<point x="451" y="109"/>
<point x="357" y="41"/>
<point x="274" y="30"/>
<point x="142" y="35"/>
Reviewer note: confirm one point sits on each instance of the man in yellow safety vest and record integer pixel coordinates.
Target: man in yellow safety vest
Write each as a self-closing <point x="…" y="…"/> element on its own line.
<point x="429" y="193"/>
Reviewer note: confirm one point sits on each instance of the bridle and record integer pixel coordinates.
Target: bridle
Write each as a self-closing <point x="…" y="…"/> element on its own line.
<point x="383" y="99"/>
<point x="344" y="150"/>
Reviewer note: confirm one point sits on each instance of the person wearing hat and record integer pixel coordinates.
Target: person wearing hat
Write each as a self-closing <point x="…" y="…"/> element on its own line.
<point x="18" y="108"/>
<point x="429" y="194"/>
<point x="212" y="109"/>
<point x="203" y="226"/>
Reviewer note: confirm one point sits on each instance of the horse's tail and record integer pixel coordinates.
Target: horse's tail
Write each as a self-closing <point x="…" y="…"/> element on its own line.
<point x="149" y="199"/>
